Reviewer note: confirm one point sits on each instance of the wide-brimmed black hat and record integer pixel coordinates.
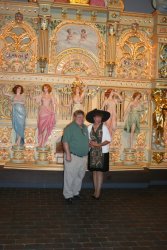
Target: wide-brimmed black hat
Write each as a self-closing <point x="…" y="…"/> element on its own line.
<point x="104" y="114"/>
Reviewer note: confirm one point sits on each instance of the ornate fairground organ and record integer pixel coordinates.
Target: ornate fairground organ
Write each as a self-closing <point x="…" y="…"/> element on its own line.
<point x="93" y="47"/>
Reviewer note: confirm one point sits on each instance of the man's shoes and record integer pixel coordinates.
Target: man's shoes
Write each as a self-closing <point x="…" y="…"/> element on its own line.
<point x="69" y="200"/>
<point x="77" y="197"/>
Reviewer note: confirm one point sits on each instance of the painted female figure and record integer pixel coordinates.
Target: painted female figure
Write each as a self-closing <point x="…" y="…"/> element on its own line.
<point x="132" y="116"/>
<point x="46" y="114"/>
<point x="18" y="113"/>
<point x="113" y="98"/>
<point x="78" y="94"/>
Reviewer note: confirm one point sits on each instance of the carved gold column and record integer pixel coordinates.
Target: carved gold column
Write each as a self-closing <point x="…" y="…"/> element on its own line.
<point x="165" y="125"/>
<point x="43" y="43"/>
<point x="111" y="48"/>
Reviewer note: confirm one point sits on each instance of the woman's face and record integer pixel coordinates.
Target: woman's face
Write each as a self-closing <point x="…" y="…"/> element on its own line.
<point x="97" y="119"/>
<point x="45" y="89"/>
<point x="111" y="94"/>
<point x="18" y="91"/>
<point x="137" y="98"/>
<point x="77" y="90"/>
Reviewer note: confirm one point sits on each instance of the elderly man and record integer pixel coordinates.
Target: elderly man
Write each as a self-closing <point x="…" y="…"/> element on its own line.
<point x="76" y="147"/>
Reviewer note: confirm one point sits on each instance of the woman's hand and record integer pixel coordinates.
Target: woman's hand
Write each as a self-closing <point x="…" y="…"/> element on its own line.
<point x="94" y="144"/>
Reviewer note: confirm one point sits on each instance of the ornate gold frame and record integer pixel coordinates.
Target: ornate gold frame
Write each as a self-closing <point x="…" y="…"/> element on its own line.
<point x="54" y="57"/>
<point x="145" y="41"/>
<point x="32" y="45"/>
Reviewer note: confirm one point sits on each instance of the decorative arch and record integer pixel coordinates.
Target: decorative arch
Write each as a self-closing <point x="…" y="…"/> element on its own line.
<point x="18" y="43"/>
<point x="134" y="52"/>
<point x="76" y="61"/>
<point x="71" y="39"/>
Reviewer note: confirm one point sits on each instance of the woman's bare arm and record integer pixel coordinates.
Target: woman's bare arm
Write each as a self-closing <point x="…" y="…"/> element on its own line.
<point x="119" y="97"/>
<point x="83" y="93"/>
<point x="104" y="104"/>
<point x="127" y="110"/>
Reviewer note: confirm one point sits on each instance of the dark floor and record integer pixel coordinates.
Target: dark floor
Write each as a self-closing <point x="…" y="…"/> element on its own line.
<point x="122" y="219"/>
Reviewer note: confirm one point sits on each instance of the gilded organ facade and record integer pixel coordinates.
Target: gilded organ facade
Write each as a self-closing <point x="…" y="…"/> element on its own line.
<point x="98" y="48"/>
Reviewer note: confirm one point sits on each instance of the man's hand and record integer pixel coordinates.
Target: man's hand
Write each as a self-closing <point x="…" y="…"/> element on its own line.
<point x="68" y="157"/>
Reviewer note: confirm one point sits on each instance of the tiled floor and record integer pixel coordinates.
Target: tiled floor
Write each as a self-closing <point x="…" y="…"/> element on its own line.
<point x="39" y="219"/>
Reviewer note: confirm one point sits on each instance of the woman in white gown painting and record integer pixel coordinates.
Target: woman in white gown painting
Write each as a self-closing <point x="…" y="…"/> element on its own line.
<point x="77" y="97"/>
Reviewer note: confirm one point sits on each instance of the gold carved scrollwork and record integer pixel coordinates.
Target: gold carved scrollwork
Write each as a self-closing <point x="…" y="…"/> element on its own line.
<point x="115" y="147"/>
<point x="5" y="137"/>
<point x="5" y="105"/>
<point x="5" y="143"/>
<point x="165" y="126"/>
<point x="160" y="124"/>
<point x="134" y="55"/>
<point x="116" y="141"/>
<point x="159" y="116"/>
<point x="29" y="155"/>
<point x="158" y="157"/>
<point x="163" y="61"/>
<point x="4" y="154"/>
<point x="140" y="147"/>
<point x="19" y="48"/>
<point x="29" y="144"/>
<point x="30" y="137"/>
<point x="141" y="140"/>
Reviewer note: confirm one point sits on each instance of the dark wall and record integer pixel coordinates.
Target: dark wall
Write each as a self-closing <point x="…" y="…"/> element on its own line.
<point x="143" y="6"/>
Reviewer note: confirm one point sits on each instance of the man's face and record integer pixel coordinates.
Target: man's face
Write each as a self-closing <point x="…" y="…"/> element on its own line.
<point x="79" y="119"/>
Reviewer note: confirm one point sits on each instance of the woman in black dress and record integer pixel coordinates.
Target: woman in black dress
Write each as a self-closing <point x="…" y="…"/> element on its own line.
<point x="99" y="136"/>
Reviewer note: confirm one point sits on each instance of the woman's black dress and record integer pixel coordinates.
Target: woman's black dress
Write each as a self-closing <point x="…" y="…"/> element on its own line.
<point x="97" y="161"/>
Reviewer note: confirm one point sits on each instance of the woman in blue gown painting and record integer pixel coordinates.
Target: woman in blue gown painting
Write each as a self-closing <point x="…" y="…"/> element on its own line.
<point x="18" y="113"/>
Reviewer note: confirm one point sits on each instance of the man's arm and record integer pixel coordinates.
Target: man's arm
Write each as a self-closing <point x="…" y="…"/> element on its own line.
<point x="67" y="151"/>
<point x="66" y="140"/>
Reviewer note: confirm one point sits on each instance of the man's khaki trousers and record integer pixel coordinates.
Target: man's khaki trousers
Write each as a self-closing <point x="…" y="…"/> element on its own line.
<point x="74" y="172"/>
